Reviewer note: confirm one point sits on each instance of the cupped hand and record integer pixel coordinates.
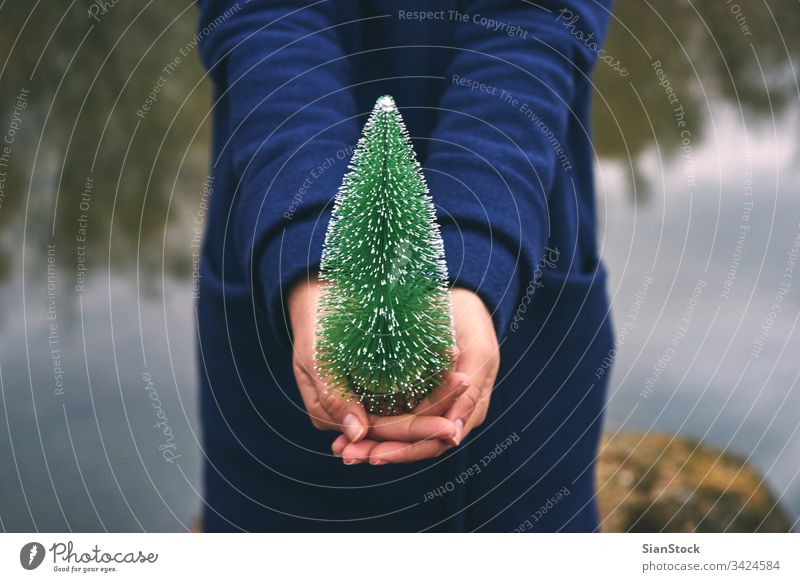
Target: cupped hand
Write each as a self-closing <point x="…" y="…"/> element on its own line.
<point x="465" y="394"/>
<point x="330" y="409"/>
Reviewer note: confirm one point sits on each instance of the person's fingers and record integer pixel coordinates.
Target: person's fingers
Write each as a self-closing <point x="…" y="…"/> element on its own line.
<point x="411" y="427"/>
<point x="477" y="417"/>
<point x="471" y="408"/>
<point x="346" y="411"/>
<point x="480" y="410"/>
<point x="359" y="452"/>
<point x="400" y="452"/>
<point x="356" y="423"/>
<point x="320" y="419"/>
<point x="338" y="444"/>
<point x="330" y="409"/>
<point x="455" y="383"/>
<point x="465" y="405"/>
<point x="481" y="367"/>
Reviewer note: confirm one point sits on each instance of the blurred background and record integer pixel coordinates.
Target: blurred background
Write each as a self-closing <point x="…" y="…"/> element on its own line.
<point x="102" y="189"/>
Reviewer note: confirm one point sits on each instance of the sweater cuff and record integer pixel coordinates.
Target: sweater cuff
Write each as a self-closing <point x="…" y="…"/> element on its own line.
<point x="474" y="261"/>
<point x="489" y="249"/>
<point x="485" y="266"/>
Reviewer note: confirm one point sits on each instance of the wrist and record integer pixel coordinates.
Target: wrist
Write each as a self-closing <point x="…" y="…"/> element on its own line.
<point x="469" y="299"/>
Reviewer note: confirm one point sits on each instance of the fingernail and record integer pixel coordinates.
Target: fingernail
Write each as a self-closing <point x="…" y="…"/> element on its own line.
<point x="352" y="428"/>
<point x="461" y="389"/>
<point x="456" y="438"/>
<point x="377" y="462"/>
<point x="459" y="432"/>
<point x="349" y="461"/>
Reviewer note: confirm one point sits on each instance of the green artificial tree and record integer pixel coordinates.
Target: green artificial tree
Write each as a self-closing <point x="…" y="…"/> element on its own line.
<point x="385" y="328"/>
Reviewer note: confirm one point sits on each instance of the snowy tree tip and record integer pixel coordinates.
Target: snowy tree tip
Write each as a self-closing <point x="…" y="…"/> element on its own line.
<point x="385" y="103"/>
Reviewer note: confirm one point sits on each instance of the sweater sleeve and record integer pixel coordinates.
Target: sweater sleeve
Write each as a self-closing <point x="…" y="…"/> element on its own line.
<point x="495" y="150"/>
<point x="291" y="123"/>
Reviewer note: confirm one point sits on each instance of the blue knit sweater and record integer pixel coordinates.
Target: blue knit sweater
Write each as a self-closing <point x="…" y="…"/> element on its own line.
<point x="496" y="96"/>
<point x="494" y="93"/>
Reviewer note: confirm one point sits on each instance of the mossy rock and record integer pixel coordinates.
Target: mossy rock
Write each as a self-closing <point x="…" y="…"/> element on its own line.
<point x="657" y="482"/>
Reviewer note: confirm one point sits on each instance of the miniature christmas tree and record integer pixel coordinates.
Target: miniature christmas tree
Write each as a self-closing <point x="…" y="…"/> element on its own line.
<point x="385" y="332"/>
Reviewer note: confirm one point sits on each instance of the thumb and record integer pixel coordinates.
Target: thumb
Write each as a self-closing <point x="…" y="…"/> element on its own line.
<point x="345" y="410"/>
